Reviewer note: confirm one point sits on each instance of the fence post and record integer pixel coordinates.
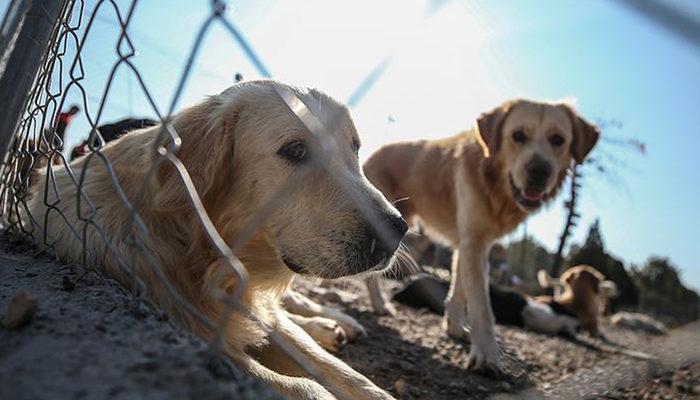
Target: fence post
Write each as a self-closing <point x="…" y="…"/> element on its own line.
<point x="26" y="33"/>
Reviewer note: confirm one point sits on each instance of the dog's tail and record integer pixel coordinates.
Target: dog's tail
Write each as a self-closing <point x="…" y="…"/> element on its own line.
<point x="547" y="281"/>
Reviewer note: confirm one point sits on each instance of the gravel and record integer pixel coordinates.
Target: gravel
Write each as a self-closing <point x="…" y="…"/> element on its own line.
<point x="89" y="339"/>
<point x="411" y="357"/>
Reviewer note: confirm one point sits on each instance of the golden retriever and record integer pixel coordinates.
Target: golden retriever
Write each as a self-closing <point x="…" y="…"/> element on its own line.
<point x="240" y="148"/>
<point x="475" y="187"/>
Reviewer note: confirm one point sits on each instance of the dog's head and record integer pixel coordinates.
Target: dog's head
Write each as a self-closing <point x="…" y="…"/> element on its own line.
<point x="583" y="278"/>
<point x="251" y="157"/>
<point x="534" y="143"/>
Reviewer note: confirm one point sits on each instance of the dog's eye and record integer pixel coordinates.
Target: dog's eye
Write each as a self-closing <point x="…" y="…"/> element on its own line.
<point x="556" y="140"/>
<point x="294" y="151"/>
<point x="519" y="137"/>
<point x="356" y="145"/>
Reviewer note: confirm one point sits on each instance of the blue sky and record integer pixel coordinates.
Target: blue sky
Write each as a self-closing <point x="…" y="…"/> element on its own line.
<point x="443" y="66"/>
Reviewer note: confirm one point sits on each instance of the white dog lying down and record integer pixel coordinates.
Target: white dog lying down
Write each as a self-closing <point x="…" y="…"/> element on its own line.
<point x="638" y="322"/>
<point x="239" y="148"/>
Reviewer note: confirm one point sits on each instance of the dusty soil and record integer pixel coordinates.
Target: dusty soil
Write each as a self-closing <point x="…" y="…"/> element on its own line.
<point x="90" y="340"/>
<point x="412" y="348"/>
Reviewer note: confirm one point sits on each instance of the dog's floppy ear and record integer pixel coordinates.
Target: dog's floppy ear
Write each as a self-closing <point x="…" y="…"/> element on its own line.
<point x="207" y="135"/>
<point x="569" y="276"/>
<point x="585" y="135"/>
<point x="219" y="281"/>
<point x="490" y="125"/>
<point x="594" y="276"/>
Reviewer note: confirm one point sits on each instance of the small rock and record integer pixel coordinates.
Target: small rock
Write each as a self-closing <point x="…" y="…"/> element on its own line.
<point x="68" y="284"/>
<point x="220" y="367"/>
<point x="401" y="388"/>
<point x="20" y="311"/>
<point x="170" y="338"/>
<point x="695" y="389"/>
<point x="684" y="387"/>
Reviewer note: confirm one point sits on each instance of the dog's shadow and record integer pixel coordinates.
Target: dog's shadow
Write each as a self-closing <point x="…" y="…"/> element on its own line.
<point x="430" y="364"/>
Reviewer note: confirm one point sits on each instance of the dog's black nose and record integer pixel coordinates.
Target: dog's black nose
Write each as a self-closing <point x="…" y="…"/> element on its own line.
<point x="400" y="225"/>
<point x="538" y="172"/>
<point x="387" y="236"/>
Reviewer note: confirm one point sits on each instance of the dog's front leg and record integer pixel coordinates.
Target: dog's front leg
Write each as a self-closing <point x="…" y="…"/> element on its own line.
<point x="336" y="376"/>
<point x="299" y="304"/>
<point x="292" y="387"/>
<point x="469" y="291"/>
<point x="483" y="353"/>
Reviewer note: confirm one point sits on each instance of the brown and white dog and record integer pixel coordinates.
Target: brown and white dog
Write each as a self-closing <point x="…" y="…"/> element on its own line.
<point x="239" y="148"/>
<point x="475" y="187"/>
<point x="579" y="294"/>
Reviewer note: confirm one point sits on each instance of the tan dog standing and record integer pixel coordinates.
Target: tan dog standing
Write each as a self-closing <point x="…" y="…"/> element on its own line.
<point x="475" y="187"/>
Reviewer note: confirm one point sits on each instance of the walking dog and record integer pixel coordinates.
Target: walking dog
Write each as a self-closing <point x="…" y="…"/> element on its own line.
<point x="475" y="187"/>
<point x="239" y="148"/>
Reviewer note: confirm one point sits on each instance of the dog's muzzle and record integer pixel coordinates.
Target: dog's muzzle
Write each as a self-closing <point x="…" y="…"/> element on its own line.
<point x="529" y="198"/>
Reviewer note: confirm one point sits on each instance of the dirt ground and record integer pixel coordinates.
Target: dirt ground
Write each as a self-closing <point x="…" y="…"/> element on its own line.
<point x="91" y="340"/>
<point x="411" y="348"/>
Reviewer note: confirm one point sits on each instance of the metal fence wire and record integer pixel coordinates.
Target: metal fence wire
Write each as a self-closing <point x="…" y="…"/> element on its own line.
<point x="34" y="144"/>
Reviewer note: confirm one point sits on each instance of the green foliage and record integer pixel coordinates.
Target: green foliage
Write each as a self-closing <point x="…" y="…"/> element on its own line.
<point x="525" y="258"/>
<point x="663" y="294"/>
<point x="593" y="253"/>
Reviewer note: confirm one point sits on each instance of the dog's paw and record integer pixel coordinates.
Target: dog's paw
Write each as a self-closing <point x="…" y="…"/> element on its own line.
<point x="456" y="331"/>
<point x="327" y="333"/>
<point x="385" y="308"/>
<point x="484" y="357"/>
<point x="352" y="328"/>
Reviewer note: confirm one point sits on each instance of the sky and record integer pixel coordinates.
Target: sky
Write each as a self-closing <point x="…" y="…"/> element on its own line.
<point x="438" y="65"/>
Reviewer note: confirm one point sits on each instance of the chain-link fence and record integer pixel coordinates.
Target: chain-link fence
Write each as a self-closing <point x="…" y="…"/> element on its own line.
<point x="43" y="59"/>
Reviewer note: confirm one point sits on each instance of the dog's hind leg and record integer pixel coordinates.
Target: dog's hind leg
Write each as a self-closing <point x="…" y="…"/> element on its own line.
<point x="377" y="295"/>
<point x="296" y="303"/>
<point x="455" y="318"/>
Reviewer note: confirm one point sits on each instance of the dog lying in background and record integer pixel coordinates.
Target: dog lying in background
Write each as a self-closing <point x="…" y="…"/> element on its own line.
<point x="473" y="188"/>
<point x="239" y="148"/>
<point x="638" y="322"/>
<point x="577" y="292"/>
<point x="112" y="131"/>
<point x="510" y="306"/>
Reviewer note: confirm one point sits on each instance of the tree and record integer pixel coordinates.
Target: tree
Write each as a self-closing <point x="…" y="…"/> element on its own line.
<point x="663" y="294"/>
<point x="599" y="162"/>
<point x="525" y="258"/>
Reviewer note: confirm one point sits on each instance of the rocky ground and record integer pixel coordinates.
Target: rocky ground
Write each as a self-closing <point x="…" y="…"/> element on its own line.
<point x="410" y="356"/>
<point x="88" y="339"/>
